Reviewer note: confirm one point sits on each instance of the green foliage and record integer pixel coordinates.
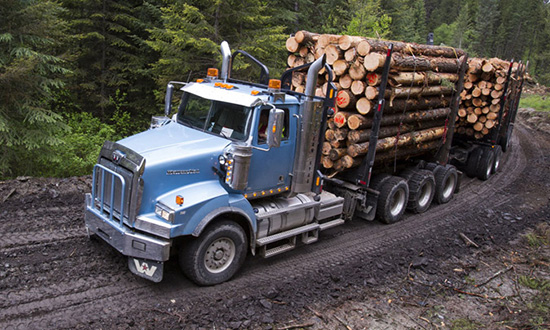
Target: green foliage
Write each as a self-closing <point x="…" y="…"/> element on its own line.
<point x="188" y="41"/>
<point x="537" y="102"/>
<point x="368" y="19"/>
<point x="108" y="52"/>
<point x="80" y="144"/>
<point x="30" y="74"/>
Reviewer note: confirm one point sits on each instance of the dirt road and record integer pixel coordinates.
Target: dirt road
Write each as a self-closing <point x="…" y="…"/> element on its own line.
<point x="52" y="276"/>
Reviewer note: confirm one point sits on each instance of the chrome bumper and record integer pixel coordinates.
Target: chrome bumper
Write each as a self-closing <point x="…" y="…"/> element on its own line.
<point x="122" y="238"/>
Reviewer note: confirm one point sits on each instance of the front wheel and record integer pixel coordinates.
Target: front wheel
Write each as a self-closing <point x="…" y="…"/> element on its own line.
<point x="216" y="255"/>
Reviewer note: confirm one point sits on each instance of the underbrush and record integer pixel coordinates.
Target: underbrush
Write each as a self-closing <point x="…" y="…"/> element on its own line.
<point x="535" y="101"/>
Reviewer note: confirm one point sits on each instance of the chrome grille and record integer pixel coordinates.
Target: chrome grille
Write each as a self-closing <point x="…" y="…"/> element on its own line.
<point x="112" y="188"/>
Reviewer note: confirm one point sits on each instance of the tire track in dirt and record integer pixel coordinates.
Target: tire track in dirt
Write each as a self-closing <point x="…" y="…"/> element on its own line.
<point x="349" y="243"/>
<point x="28" y="238"/>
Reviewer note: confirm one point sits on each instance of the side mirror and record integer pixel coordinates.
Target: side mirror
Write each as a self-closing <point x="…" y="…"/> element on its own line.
<point x="168" y="99"/>
<point x="275" y="127"/>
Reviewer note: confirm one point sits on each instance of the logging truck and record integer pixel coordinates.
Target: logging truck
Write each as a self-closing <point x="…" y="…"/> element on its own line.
<point x="263" y="167"/>
<point x="487" y="113"/>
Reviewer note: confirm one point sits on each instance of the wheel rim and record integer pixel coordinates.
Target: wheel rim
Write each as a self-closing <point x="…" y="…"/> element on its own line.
<point x="425" y="194"/>
<point x="497" y="163"/>
<point x="219" y="255"/>
<point x="449" y="186"/>
<point x="488" y="170"/>
<point x="398" y="202"/>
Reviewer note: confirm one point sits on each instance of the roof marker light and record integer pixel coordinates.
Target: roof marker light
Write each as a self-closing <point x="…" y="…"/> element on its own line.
<point x="212" y="73"/>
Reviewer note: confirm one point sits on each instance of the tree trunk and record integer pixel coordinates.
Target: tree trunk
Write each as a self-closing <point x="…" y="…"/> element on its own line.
<point x="345" y="99"/>
<point x="292" y="45"/>
<point x="358" y="121"/>
<point x="412" y="138"/>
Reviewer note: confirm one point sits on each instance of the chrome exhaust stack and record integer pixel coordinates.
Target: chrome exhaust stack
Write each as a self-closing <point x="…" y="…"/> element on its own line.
<point x="311" y="113"/>
<point x="226" y="60"/>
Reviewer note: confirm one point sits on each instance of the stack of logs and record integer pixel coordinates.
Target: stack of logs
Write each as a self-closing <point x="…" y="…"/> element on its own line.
<point x="482" y="95"/>
<point x="418" y="96"/>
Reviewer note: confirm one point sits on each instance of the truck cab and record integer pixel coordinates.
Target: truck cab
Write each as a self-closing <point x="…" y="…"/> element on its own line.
<point x="232" y="171"/>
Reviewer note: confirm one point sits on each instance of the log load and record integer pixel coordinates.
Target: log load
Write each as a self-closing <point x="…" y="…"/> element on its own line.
<point x="421" y="85"/>
<point x="483" y="96"/>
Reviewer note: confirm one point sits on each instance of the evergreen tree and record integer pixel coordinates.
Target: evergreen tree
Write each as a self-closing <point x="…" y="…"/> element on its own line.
<point x="485" y="28"/>
<point x="368" y="19"/>
<point x="30" y="73"/>
<point x="193" y="30"/>
<point x="407" y="20"/>
<point x="110" y="56"/>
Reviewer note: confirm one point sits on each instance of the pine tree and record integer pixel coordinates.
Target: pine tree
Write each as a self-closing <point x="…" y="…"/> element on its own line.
<point x="193" y="30"/>
<point x="30" y="73"/>
<point x="110" y="56"/>
<point x="369" y="19"/>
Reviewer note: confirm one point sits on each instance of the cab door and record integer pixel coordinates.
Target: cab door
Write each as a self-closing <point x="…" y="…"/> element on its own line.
<point x="270" y="170"/>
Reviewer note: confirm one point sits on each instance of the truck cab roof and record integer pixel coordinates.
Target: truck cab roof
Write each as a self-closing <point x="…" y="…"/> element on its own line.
<point x="235" y="93"/>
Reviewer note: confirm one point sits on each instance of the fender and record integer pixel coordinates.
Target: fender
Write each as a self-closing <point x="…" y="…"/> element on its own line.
<point x="204" y="202"/>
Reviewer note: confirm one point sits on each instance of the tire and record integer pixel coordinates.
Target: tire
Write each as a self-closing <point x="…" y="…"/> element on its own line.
<point x="431" y="166"/>
<point x="377" y="181"/>
<point x="505" y="142"/>
<point x="421" y="191"/>
<point x="216" y="255"/>
<point x="497" y="151"/>
<point x="486" y="164"/>
<point x="472" y="162"/>
<point x="392" y="201"/>
<point x="446" y="181"/>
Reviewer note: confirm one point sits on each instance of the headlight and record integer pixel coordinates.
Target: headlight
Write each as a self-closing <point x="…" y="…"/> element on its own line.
<point x="164" y="212"/>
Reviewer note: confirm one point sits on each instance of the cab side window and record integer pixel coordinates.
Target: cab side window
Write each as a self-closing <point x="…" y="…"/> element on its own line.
<point x="263" y="122"/>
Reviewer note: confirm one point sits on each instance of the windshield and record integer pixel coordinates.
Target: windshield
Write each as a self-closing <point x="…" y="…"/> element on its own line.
<point x="226" y="119"/>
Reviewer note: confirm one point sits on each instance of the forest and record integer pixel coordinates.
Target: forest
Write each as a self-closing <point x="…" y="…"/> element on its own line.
<point x="74" y="73"/>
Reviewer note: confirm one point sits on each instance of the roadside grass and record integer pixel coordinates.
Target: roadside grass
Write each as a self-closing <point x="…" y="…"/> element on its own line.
<point x="535" y="101"/>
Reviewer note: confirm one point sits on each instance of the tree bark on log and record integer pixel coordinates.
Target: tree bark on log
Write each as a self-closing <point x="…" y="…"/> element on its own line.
<point x="421" y="78"/>
<point x="357" y="121"/>
<point x="306" y="37"/>
<point x="406" y="139"/>
<point x="358" y="136"/>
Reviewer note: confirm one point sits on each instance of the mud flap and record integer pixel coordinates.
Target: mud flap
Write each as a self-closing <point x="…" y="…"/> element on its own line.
<point x="148" y="269"/>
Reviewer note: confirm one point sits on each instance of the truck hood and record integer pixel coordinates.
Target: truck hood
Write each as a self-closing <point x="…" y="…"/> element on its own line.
<point x="175" y="156"/>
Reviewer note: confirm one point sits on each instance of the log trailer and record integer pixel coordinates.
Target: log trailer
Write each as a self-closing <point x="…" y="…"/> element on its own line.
<point x="237" y="169"/>
<point x="479" y="154"/>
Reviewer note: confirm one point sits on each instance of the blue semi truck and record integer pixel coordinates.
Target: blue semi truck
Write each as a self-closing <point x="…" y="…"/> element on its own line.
<point x="236" y="170"/>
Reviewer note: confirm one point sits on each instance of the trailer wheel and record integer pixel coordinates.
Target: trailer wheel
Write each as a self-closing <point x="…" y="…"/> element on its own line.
<point x="216" y="255"/>
<point x="505" y="142"/>
<point x="446" y="181"/>
<point x="497" y="151"/>
<point x="392" y="201"/>
<point x="486" y="164"/>
<point x="421" y="191"/>
<point x="472" y="164"/>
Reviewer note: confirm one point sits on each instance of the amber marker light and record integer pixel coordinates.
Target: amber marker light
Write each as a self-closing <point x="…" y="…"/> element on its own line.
<point x="274" y="84"/>
<point x="200" y="80"/>
<point x="254" y="92"/>
<point x="212" y="73"/>
<point x="179" y="200"/>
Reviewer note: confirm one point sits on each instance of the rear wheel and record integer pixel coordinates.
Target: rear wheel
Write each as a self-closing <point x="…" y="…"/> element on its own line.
<point x="421" y="191"/>
<point x="473" y="161"/>
<point x="446" y="181"/>
<point x="497" y="151"/>
<point x="486" y="164"/>
<point x="392" y="201"/>
<point x="505" y="141"/>
<point x="216" y="255"/>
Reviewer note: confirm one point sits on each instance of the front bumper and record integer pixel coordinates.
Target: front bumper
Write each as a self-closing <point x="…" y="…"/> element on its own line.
<point x="122" y="238"/>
